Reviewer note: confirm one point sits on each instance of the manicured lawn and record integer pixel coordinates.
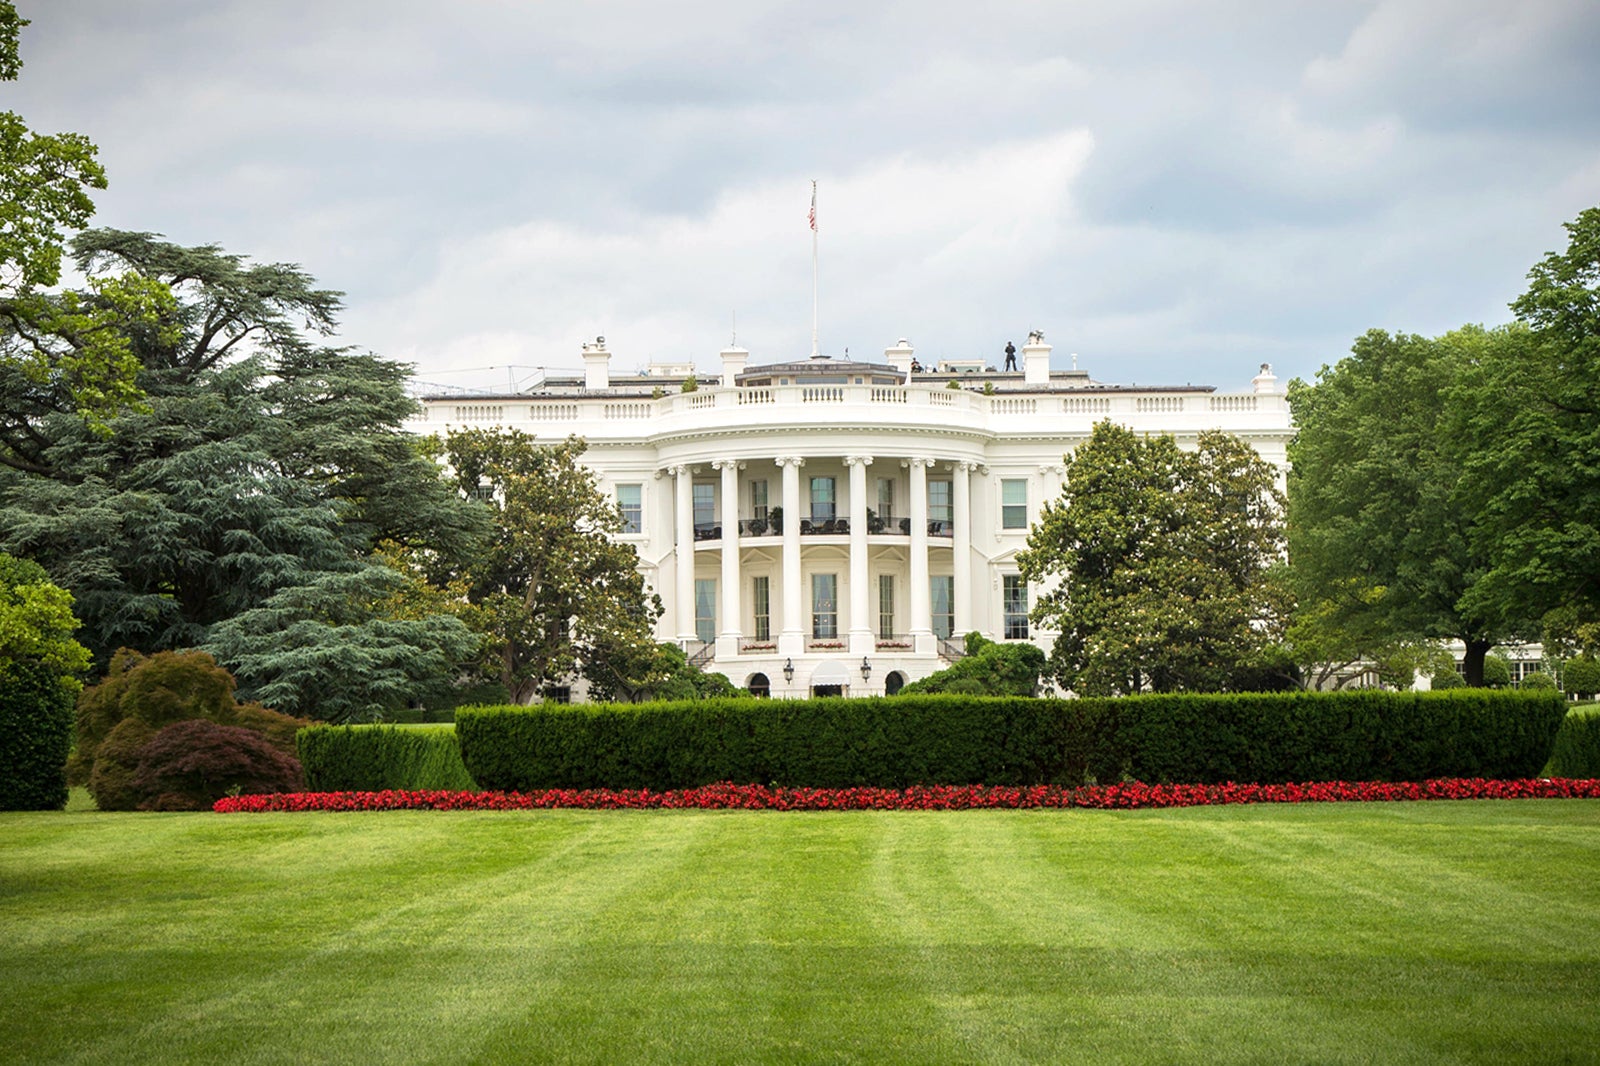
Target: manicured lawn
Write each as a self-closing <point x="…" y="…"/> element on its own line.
<point x="1413" y="932"/>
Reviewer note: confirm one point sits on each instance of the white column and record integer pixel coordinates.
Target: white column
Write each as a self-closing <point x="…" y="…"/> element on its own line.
<point x="732" y="621"/>
<point x="792" y="637"/>
<point x="860" y="622"/>
<point x="921" y="609"/>
<point x="683" y="535"/>
<point x="961" y="547"/>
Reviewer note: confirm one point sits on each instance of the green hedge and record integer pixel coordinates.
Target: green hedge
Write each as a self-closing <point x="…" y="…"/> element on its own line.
<point x="372" y="758"/>
<point x="35" y="736"/>
<point x="1577" y="747"/>
<point x="1261" y="737"/>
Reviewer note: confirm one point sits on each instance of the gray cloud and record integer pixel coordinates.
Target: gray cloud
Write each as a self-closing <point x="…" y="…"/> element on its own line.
<point x="1174" y="192"/>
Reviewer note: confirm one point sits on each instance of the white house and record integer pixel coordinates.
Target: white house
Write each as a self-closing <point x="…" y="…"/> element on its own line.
<point x="834" y="526"/>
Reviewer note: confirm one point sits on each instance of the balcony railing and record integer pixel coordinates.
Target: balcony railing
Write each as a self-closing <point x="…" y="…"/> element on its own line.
<point x="826" y="527"/>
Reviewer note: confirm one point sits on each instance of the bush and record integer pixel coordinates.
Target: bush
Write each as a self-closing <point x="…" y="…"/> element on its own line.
<point x="373" y="758"/>
<point x="189" y="765"/>
<point x="140" y="697"/>
<point x="1446" y="679"/>
<point x="1496" y="671"/>
<point x="988" y="669"/>
<point x="1538" y="681"/>
<point x="1581" y="677"/>
<point x="944" y="739"/>
<point x="1576" y="752"/>
<point x="35" y="736"/>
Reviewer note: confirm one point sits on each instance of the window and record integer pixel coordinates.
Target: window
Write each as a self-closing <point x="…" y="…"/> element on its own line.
<point x="1014" y="503"/>
<point x="885" y="606"/>
<point x="944" y="605"/>
<point x="822" y="500"/>
<point x="761" y="600"/>
<point x="629" y="500"/>
<point x="1015" y="605"/>
<point x="824" y="606"/>
<point x="705" y="609"/>
<point x="939" y="508"/>
<point x="705" y="506"/>
<point x="758" y="500"/>
<point x="885" y="498"/>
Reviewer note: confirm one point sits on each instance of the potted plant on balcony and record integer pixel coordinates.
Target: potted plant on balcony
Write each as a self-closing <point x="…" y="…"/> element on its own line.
<point x="775" y="516"/>
<point x="874" y="523"/>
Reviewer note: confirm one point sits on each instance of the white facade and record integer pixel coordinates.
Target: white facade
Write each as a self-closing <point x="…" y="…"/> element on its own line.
<point x="904" y="501"/>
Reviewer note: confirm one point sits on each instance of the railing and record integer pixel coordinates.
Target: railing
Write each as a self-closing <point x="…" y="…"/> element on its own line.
<point x="760" y="527"/>
<point x="756" y="646"/>
<point x="480" y="412"/>
<point x="951" y="650"/>
<point x="894" y="642"/>
<point x="1086" y="405"/>
<point x="822" y="394"/>
<point x="824" y="527"/>
<point x="877" y="524"/>
<point x="553" y="412"/>
<point x="636" y="410"/>
<point x="707" y="532"/>
<point x="941" y="527"/>
<point x="1233" y="404"/>
<point x="1162" y="405"/>
<point x="699" y="652"/>
<point x="1015" y="405"/>
<point x="826" y="644"/>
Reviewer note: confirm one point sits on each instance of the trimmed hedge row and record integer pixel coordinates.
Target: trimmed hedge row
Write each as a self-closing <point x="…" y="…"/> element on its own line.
<point x="35" y="736"/>
<point x="1577" y="746"/>
<point x="910" y="740"/>
<point x="363" y="758"/>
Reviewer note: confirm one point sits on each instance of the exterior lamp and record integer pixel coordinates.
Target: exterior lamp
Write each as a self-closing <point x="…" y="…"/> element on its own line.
<point x="788" y="669"/>
<point x="866" y="668"/>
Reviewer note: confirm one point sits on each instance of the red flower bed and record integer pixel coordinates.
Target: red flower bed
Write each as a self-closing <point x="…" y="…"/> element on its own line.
<point x="919" y="798"/>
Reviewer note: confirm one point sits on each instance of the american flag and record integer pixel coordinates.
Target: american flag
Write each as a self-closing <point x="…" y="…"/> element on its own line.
<point x="812" y="218"/>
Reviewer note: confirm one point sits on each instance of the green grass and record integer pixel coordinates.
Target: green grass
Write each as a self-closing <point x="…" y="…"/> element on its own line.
<point x="1423" y="932"/>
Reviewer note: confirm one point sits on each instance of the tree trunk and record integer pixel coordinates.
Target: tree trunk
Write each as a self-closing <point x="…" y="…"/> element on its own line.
<point x="1472" y="665"/>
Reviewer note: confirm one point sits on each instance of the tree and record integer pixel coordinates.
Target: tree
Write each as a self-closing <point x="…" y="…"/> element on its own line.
<point x="987" y="669"/>
<point x="39" y="664"/>
<point x="71" y="345"/>
<point x="252" y="488"/>
<point x="1158" y="562"/>
<point x="636" y="672"/>
<point x="1527" y="433"/>
<point x="1381" y="543"/>
<point x="553" y="592"/>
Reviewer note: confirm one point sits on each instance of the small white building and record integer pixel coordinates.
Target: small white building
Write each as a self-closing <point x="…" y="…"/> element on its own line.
<point x="829" y="526"/>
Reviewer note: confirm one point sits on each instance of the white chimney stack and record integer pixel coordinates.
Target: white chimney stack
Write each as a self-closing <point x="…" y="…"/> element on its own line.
<point x="1036" y="360"/>
<point x="596" y="365"/>
<point x="900" y="357"/>
<point x="733" y="361"/>
<point x="1266" y="382"/>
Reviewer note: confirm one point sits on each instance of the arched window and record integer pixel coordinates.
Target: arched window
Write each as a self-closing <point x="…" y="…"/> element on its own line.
<point x="758" y="685"/>
<point x="893" y="682"/>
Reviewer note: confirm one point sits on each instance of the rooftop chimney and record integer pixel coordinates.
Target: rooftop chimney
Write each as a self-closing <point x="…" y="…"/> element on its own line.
<point x="900" y="356"/>
<point x="733" y="361"/>
<point x="1036" y="360"/>
<point x="1266" y="382"/>
<point x="596" y="365"/>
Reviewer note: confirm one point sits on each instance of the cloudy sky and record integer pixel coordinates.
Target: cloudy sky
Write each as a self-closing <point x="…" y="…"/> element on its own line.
<point x="1174" y="191"/>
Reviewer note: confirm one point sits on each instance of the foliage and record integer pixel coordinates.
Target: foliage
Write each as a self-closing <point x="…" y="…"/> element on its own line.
<point x="689" y="385"/>
<point x="191" y="764"/>
<point x="141" y="696"/>
<point x="1496" y="671"/>
<point x="552" y="592"/>
<point x="988" y="669"/>
<point x="38" y="662"/>
<point x="1539" y="680"/>
<point x="1448" y="679"/>
<point x="252" y="489"/>
<point x="380" y="757"/>
<point x="1383" y="552"/>
<point x="635" y="672"/>
<point x="1527" y="429"/>
<point x="725" y="796"/>
<point x="1157" y="562"/>
<point x="895" y="743"/>
<point x="1581" y="676"/>
<point x="1576" y="752"/>
<point x="35" y="735"/>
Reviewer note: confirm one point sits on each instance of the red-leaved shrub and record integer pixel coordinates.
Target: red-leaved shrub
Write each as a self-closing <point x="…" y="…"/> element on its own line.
<point x="190" y="765"/>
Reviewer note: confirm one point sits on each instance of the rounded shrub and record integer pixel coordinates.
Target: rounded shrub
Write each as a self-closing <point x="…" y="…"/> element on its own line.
<point x="1448" y="679"/>
<point x="189" y="765"/>
<point x="1496" y="671"/>
<point x="1581" y="677"/>
<point x="1538" y="681"/>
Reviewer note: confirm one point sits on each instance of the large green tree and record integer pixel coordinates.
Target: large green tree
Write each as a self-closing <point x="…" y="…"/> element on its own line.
<point x="1383" y="543"/>
<point x="250" y="488"/>
<point x="1155" y="564"/>
<point x="554" y="593"/>
<point x="1526" y="430"/>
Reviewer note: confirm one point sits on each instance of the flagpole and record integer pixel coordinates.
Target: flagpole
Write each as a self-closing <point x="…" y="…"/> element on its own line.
<point x="813" y="268"/>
